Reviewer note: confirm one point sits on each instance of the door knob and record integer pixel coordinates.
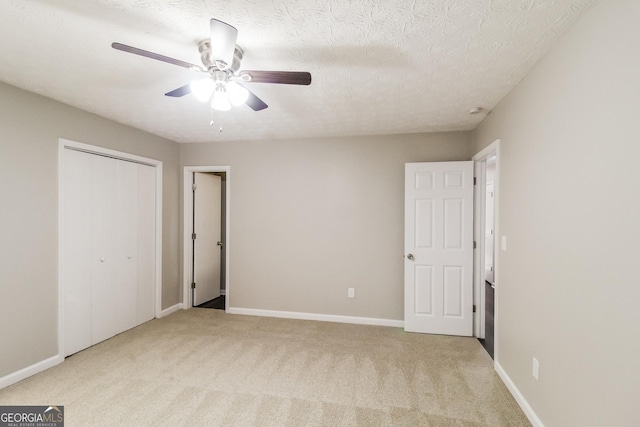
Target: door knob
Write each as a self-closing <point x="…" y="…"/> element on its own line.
<point x="410" y="257"/>
<point x="219" y="244"/>
<point x="101" y="259"/>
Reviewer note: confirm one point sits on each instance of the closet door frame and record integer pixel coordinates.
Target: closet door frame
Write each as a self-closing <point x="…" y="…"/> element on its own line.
<point x="64" y="144"/>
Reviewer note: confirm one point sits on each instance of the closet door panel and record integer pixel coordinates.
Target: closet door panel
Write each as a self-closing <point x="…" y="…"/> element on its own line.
<point x="76" y="251"/>
<point x="108" y="266"/>
<point x="104" y="302"/>
<point x="126" y="262"/>
<point x="146" y="243"/>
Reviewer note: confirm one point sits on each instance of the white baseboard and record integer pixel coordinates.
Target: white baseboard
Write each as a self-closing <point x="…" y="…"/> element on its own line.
<point x="526" y="408"/>
<point x="14" y="377"/>
<point x="170" y="310"/>
<point x="319" y="317"/>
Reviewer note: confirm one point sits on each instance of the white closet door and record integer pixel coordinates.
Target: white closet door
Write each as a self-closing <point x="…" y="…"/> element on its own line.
<point x="108" y="269"/>
<point x="76" y="251"/>
<point x="125" y="286"/>
<point x="146" y="242"/>
<point x="104" y="249"/>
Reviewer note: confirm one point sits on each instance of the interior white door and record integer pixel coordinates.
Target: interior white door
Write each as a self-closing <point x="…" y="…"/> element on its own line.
<point x="125" y="286"/>
<point x="489" y="237"/>
<point x="439" y="248"/>
<point x="104" y="257"/>
<point x="207" y="227"/>
<point x="146" y="231"/>
<point x="76" y="254"/>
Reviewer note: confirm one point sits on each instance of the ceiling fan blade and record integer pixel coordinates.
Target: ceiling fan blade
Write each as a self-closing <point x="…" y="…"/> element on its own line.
<point x="181" y="91"/>
<point x="223" y="43"/>
<point x="281" y="77"/>
<point x="156" y="56"/>
<point x="253" y="101"/>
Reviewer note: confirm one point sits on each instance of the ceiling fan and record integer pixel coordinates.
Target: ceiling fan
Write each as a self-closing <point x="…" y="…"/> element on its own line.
<point x="221" y="57"/>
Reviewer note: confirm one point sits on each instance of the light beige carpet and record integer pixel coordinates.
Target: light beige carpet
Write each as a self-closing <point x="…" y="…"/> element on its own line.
<point x="203" y="367"/>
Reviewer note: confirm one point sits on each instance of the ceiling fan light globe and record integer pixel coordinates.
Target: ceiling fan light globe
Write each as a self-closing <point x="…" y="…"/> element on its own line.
<point x="202" y="89"/>
<point x="220" y="99"/>
<point x="237" y="94"/>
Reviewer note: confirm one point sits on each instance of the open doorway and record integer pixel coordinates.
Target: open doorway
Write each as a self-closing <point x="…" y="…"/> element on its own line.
<point x="207" y="289"/>
<point x="486" y="170"/>
<point x="489" y="223"/>
<point x="206" y="237"/>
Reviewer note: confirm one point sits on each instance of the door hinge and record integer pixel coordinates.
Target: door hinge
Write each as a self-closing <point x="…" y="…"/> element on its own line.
<point x="474" y="308"/>
<point x="474" y="244"/>
<point x="474" y="180"/>
<point x="194" y="186"/>
<point x="193" y="236"/>
<point x="193" y="285"/>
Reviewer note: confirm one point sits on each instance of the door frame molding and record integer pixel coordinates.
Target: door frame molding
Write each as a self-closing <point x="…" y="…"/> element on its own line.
<point x="480" y="160"/>
<point x="186" y="223"/>
<point x="64" y="144"/>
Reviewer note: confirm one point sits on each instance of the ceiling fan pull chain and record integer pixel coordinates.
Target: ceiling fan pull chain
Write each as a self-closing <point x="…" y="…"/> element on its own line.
<point x="219" y="120"/>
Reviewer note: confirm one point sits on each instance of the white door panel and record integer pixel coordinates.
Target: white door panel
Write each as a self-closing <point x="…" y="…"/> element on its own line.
<point x="126" y="281"/>
<point x="438" y="235"/>
<point x="207" y="226"/>
<point x="104" y="249"/>
<point x="76" y="251"/>
<point x="146" y="222"/>
<point x="423" y="290"/>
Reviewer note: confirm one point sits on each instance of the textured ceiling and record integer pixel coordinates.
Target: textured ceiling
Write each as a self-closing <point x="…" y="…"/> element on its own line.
<point x="378" y="67"/>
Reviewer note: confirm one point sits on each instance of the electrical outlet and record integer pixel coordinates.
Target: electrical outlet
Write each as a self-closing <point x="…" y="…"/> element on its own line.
<point x="351" y="293"/>
<point x="536" y="368"/>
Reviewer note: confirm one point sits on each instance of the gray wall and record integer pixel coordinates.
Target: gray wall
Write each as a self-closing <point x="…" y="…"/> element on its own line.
<point x="569" y="287"/>
<point x="311" y="218"/>
<point x="31" y="126"/>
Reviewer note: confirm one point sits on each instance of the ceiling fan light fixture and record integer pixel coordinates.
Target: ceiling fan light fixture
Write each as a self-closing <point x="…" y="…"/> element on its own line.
<point x="203" y="89"/>
<point x="220" y="98"/>
<point x="237" y="94"/>
<point x="221" y="58"/>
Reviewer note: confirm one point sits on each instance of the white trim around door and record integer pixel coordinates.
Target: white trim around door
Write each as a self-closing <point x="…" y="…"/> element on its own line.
<point x="64" y="144"/>
<point x="187" y="223"/>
